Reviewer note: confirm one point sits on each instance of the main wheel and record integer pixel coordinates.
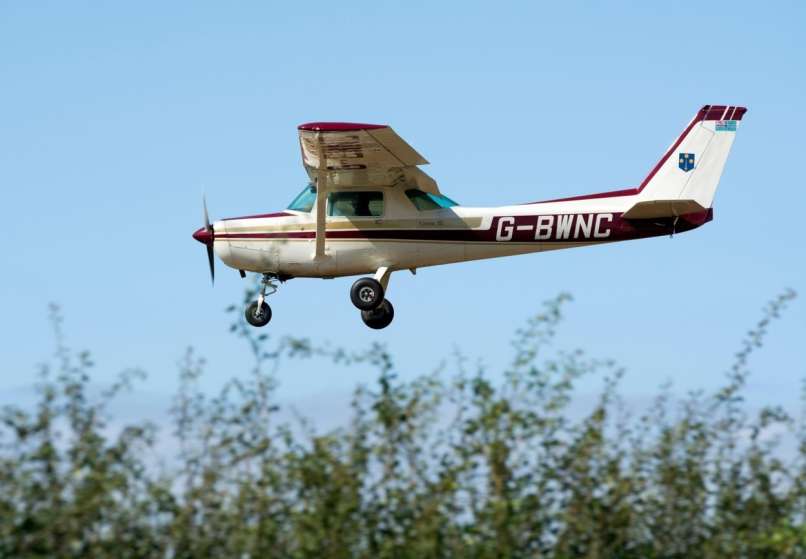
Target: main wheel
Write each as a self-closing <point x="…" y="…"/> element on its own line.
<point x="380" y="317"/>
<point x="366" y="294"/>
<point x="258" y="317"/>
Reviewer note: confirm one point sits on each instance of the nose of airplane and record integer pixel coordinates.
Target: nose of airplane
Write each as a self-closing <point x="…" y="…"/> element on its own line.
<point x="204" y="236"/>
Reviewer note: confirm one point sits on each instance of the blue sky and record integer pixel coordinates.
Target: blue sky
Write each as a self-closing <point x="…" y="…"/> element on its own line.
<point x="115" y="117"/>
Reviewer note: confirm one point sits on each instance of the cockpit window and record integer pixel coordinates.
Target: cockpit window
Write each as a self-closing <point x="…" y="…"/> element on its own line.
<point x="304" y="200"/>
<point x="425" y="201"/>
<point x="355" y="204"/>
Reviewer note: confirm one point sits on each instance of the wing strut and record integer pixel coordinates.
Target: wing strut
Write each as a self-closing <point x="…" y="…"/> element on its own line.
<point x="321" y="197"/>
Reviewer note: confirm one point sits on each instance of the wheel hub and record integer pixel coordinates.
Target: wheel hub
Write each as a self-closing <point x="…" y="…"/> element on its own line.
<point x="366" y="294"/>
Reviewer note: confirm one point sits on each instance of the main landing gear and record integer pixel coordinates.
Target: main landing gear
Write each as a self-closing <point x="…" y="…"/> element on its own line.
<point x="380" y="317"/>
<point x="367" y="294"/>
<point x="259" y="313"/>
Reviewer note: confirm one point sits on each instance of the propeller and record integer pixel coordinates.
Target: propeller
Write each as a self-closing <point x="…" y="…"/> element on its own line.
<point x="209" y="228"/>
<point x="206" y="236"/>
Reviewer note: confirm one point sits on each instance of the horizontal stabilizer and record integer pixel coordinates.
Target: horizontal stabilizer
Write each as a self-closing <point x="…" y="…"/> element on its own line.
<point x="651" y="209"/>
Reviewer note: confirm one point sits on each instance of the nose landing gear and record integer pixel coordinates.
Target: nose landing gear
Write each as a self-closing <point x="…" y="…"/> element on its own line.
<point x="259" y="313"/>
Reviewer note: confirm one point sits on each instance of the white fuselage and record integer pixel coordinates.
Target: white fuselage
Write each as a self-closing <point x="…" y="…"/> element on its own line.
<point x="405" y="238"/>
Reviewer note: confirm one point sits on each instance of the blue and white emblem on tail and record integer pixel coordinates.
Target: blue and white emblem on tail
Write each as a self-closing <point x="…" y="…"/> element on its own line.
<point x="686" y="161"/>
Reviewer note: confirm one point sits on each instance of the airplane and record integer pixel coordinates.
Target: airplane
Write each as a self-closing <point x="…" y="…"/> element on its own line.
<point x="368" y="208"/>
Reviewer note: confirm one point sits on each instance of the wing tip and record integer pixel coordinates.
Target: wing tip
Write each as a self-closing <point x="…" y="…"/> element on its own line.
<point x="338" y="126"/>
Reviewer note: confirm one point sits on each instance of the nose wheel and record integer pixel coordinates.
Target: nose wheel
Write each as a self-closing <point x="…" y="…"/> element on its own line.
<point x="259" y="312"/>
<point x="258" y="315"/>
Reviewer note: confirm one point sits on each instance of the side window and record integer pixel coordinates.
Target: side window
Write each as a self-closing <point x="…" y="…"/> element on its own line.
<point x="425" y="201"/>
<point x="421" y="200"/>
<point x="355" y="204"/>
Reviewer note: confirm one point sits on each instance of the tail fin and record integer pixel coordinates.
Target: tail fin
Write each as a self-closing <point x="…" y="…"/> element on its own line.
<point x="686" y="177"/>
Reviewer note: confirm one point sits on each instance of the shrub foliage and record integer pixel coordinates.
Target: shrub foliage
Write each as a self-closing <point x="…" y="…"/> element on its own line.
<point x="458" y="463"/>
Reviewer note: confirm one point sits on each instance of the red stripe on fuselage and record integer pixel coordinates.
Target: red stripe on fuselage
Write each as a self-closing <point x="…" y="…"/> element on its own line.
<point x="619" y="230"/>
<point x="275" y="214"/>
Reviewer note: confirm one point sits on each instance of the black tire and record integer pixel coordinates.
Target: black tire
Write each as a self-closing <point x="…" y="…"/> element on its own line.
<point x="366" y="294"/>
<point x="379" y="318"/>
<point x="258" y="318"/>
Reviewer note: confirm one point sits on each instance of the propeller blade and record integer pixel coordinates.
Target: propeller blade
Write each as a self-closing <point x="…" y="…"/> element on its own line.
<point x="211" y="261"/>
<point x="206" y="217"/>
<point x="206" y="235"/>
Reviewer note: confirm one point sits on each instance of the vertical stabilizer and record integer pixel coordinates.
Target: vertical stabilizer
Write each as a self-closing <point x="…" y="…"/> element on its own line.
<point x="688" y="174"/>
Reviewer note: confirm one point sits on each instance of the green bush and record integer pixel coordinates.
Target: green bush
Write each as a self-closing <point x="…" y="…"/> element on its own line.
<point x="450" y="464"/>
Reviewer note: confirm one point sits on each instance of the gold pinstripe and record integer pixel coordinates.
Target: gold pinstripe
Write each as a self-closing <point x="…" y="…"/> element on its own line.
<point x="455" y="224"/>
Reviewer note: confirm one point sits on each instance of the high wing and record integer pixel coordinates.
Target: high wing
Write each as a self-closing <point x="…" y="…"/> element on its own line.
<point x="362" y="155"/>
<point x="345" y="154"/>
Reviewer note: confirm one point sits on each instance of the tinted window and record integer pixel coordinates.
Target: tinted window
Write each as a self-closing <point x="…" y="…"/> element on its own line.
<point x="304" y="200"/>
<point x="426" y="201"/>
<point x="355" y="204"/>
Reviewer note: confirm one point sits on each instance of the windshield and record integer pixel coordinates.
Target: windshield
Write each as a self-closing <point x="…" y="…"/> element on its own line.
<point x="304" y="200"/>
<point x="426" y="201"/>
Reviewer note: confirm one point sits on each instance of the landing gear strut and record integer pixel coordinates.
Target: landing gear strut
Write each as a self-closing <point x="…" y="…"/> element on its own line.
<point x="259" y="313"/>
<point x="367" y="294"/>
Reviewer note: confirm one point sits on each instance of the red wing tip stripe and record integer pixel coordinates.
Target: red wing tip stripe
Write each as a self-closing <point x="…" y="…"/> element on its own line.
<point x="721" y="112"/>
<point x="339" y="126"/>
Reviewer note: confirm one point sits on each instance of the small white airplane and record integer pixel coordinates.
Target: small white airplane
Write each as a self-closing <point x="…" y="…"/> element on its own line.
<point x="369" y="209"/>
